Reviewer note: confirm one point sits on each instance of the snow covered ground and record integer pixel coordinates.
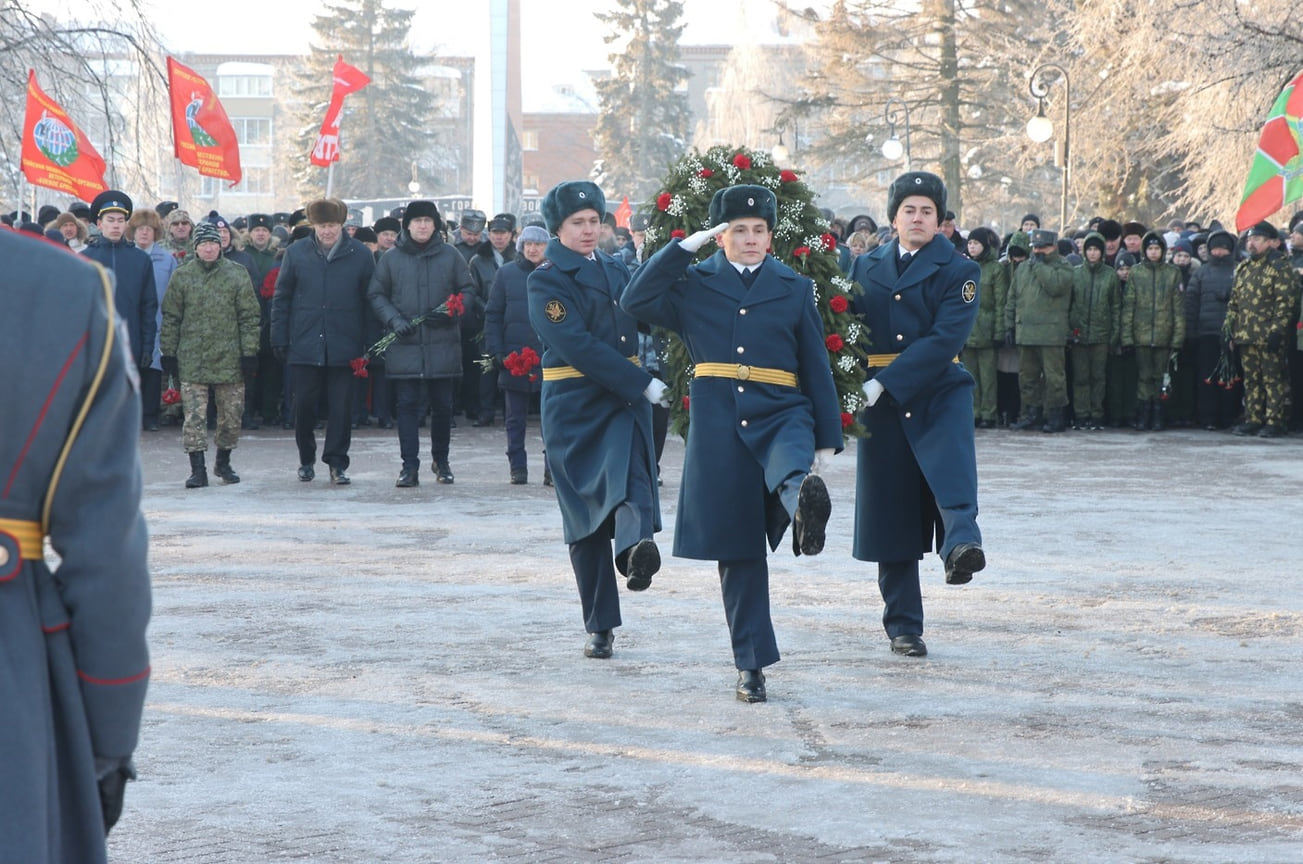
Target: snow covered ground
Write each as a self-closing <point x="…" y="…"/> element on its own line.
<point x="366" y="674"/>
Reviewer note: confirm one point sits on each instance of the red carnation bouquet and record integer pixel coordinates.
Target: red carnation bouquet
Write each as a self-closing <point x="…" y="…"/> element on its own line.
<point x="269" y="284"/>
<point x="523" y="363"/>
<point x="171" y="396"/>
<point x="453" y="307"/>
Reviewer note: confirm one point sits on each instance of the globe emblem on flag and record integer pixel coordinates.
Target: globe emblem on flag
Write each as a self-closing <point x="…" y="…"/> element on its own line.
<point x="201" y="138"/>
<point x="55" y="141"/>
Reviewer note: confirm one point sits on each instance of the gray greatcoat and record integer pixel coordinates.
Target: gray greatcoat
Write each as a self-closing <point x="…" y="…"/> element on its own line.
<point x="73" y="659"/>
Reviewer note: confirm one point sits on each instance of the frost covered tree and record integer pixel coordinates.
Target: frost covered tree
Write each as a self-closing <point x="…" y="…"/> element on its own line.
<point x="643" y="117"/>
<point x="384" y="126"/>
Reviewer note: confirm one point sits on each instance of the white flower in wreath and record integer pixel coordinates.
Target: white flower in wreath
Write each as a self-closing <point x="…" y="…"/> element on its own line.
<point x="697" y="184"/>
<point x="853" y="332"/>
<point x="845" y="362"/>
<point x="677" y="206"/>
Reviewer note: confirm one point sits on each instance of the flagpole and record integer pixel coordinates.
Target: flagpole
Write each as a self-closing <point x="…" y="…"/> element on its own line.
<point x="330" y="178"/>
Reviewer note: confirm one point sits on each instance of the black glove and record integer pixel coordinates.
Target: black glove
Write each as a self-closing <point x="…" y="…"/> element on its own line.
<point x="1009" y="339"/>
<point x="147" y="361"/>
<point x="280" y="352"/>
<point x="438" y="319"/>
<point x="402" y="327"/>
<point x="1274" y="342"/>
<point x="170" y="367"/>
<point x="248" y="366"/>
<point x="113" y="786"/>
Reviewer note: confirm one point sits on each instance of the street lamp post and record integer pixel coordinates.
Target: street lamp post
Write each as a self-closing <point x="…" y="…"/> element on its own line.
<point x="891" y="148"/>
<point x="1040" y="129"/>
<point x="415" y="185"/>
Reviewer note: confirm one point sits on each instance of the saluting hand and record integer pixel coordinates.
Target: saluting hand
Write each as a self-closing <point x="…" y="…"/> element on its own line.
<point x="693" y="242"/>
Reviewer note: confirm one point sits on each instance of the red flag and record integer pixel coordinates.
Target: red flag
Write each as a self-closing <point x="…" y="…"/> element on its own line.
<point x="348" y="79"/>
<point x="56" y="154"/>
<point x="623" y="213"/>
<point x="201" y="132"/>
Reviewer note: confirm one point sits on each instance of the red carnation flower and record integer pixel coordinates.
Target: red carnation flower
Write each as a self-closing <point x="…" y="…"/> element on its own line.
<point x="663" y="201"/>
<point x="269" y="284"/>
<point x="829" y="242"/>
<point x="359" y="367"/>
<point x="742" y="161"/>
<point x="787" y="176"/>
<point x="834" y="343"/>
<point x="686" y="403"/>
<point x="801" y="251"/>
<point x="705" y="172"/>
<point x="678" y="233"/>
<point x="838" y="304"/>
<point x="171" y="396"/>
<point x="847" y="420"/>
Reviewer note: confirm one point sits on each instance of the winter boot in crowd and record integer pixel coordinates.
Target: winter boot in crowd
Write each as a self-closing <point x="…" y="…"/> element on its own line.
<point x="1141" y="423"/>
<point x="443" y="473"/>
<point x="1055" y="422"/>
<point x="198" y="472"/>
<point x="223" y="470"/>
<point x="1156" y="422"/>
<point x="1031" y="420"/>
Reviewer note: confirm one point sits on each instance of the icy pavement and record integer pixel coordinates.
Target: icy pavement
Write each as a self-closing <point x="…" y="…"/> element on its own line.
<point x="368" y="674"/>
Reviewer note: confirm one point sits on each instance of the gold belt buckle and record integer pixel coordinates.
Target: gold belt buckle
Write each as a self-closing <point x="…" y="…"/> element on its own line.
<point x="743" y="372"/>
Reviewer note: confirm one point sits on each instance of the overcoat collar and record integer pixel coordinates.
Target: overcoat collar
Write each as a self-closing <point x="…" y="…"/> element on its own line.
<point x="774" y="281"/>
<point x="927" y="261"/>
<point x="569" y="261"/>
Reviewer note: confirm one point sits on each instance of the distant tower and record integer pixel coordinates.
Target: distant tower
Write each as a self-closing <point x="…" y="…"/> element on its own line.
<point x="497" y="178"/>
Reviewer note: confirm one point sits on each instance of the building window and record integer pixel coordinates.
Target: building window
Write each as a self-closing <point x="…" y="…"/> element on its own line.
<point x="529" y="139"/>
<point x="244" y="85"/>
<point x="531" y="181"/>
<point x="252" y="131"/>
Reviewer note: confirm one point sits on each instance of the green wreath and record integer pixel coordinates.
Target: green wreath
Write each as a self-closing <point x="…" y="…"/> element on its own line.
<point x="800" y="240"/>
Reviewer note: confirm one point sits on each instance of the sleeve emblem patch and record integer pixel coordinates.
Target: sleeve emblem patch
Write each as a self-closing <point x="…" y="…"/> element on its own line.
<point x="555" y="311"/>
<point x="969" y="291"/>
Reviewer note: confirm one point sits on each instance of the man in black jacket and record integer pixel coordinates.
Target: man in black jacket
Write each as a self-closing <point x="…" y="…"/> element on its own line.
<point x="318" y="318"/>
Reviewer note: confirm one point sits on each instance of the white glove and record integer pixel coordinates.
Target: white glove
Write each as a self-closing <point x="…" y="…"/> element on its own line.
<point x="693" y="242"/>
<point x="655" y="393"/>
<point x="822" y="459"/>
<point x="872" y="390"/>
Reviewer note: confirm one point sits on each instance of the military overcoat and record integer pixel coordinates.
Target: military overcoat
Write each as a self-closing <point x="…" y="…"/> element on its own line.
<point x="590" y="415"/>
<point x="745" y="437"/>
<point x="926" y="414"/>
<point x="73" y="658"/>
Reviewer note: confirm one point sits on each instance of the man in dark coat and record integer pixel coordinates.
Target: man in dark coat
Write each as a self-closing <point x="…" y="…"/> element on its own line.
<point x="596" y="410"/>
<point x="318" y="319"/>
<point x="756" y="429"/>
<point x="76" y="662"/>
<point x="507" y="331"/>
<point x="492" y="254"/>
<point x="1205" y="298"/>
<point x="917" y="469"/>
<point x="134" y="294"/>
<point x="413" y="280"/>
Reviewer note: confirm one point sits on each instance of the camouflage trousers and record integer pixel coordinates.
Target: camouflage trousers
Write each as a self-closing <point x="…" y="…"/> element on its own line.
<point x="1042" y="379"/>
<point x="1088" y="365"/>
<point x="980" y="363"/>
<point x="1266" y="385"/>
<point x="230" y="407"/>
<point x="1151" y="365"/>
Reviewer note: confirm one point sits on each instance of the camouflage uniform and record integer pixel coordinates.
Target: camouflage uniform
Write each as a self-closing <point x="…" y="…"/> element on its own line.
<point x="1037" y="311"/>
<point x="1258" y="316"/>
<point x="1153" y="323"/>
<point x="210" y="321"/>
<point x="979" y="354"/>
<point x="1093" y="324"/>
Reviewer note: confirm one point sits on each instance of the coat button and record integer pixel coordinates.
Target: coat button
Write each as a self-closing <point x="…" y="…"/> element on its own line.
<point x="900" y="337"/>
<point x="742" y="311"/>
<point x="908" y="415"/>
<point x="897" y="296"/>
<point x="740" y="389"/>
<point x="741" y="350"/>
<point x="744" y="422"/>
<point x="623" y="339"/>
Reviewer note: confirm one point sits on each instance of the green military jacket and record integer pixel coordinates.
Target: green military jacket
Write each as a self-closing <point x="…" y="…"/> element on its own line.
<point x="1040" y="294"/>
<point x="1263" y="299"/>
<point x="210" y="320"/>
<point x="993" y="290"/>
<point x="1153" y="309"/>
<point x="1096" y="304"/>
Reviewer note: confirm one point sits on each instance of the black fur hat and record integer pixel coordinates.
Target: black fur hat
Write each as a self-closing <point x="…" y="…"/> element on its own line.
<point x="916" y="183"/>
<point x="422" y="209"/>
<point x="259" y="220"/>
<point x="741" y="202"/>
<point x="565" y="199"/>
<point x="388" y="223"/>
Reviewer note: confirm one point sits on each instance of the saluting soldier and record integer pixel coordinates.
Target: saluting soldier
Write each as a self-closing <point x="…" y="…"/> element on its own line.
<point x="75" y="656"/>
<point x="917" y="469"/>
<point x="757" y="427"/>
<point x="596" y="410"/>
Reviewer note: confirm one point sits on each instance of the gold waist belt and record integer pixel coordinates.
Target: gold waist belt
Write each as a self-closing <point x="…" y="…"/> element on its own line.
<point x="558" y="373"/>
<point x="28" y="535"/>
<point x="745" y="373"/>
<point x="877" y="361"/>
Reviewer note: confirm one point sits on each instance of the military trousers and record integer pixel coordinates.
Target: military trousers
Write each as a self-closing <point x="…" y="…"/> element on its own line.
<point x="980" y="363"/>
<point x="902" y="598"/>
<point x="1042" y="380"/>
<point x="230" y="408"/>
<point x="1089" y="363"/>
<point x="1266" y="385"/>
<point x="1151" y="366"/>
<point x="745" y="587"/>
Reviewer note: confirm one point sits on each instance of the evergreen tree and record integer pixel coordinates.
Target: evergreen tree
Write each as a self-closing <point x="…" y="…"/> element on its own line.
<point x="383" y="128"/>
<point x="800" y="239"/>
<point x="643" y="117"/>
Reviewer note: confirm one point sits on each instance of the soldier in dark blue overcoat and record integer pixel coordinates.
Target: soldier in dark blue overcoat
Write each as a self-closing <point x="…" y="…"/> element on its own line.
<point x="762" y="403"/>
<point x="917" y="469"/>
<point x="73" y="658"/>
<point x="596" y="410"/>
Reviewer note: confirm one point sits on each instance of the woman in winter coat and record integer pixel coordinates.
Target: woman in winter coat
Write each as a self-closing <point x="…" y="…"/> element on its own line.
<point x="415" y="278"/>
<point x="507" y="331"/>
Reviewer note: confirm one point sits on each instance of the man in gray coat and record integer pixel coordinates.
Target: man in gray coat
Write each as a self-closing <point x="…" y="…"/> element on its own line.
<point x="412" y="281"/>
<point x="76" y="663"/>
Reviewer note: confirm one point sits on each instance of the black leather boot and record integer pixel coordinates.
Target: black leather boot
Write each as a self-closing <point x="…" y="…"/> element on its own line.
<point x="223" y="468"/>
<point x="1141" y="422"/>
<point x="1055" y="421"/>
<point x="1156" y="417"/>
<point x="198" y="472"/>
<point x="1031" y="420"/>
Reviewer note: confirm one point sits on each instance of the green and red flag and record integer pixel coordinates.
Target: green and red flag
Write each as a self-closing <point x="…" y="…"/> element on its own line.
<point x="56" y="154"/>
<point x="202" y="135"/>
<point x="1276" y="177"/>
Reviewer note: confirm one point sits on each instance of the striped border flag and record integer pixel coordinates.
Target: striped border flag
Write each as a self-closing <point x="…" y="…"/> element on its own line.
<point x="1276" y="177"/>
